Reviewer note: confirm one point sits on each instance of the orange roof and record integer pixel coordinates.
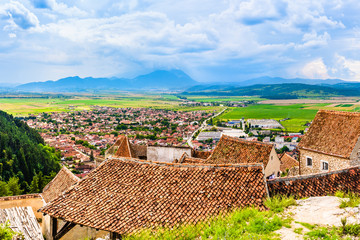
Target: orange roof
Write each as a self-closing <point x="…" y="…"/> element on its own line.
<point x="333" y="133"/>
<point x="125" y="194"/>
<point x="235" y="150"/>
<point x="62" y="181"/>
<point x="121" y="148"/>
<point x="287" y="162"/>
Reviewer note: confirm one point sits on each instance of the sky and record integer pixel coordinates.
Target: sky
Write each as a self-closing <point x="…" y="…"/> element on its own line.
<point x="211" y="40"/>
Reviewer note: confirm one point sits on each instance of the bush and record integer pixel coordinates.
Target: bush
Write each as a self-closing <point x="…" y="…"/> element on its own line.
<point x="279" y="203"/>
<point x="351" y="199"/>
<point x="6" y="233"/>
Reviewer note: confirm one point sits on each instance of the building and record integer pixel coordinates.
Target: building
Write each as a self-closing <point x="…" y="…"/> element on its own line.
<point x="234" y="133"/>
<point x="209" y="135"/>
<point x="232" y="150"/>
<point x="124" y="195"/>
<point x="22" y="210"/>
<point x="264" y="123"/>
<point x="331" y="143"/>
<point x="289" y="165"/>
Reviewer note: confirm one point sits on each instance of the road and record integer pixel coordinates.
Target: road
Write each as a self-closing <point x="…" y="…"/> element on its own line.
<point x="203" y="125"/>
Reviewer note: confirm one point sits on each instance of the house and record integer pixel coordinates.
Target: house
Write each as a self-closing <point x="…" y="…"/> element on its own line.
<point x="331" y="143"/>
<point x="289" y="165"/>
<point x="232" y="150"/>
<point x="124" y="195"/>
<point x="157" y="153"/>
<point x="23" y="220"/>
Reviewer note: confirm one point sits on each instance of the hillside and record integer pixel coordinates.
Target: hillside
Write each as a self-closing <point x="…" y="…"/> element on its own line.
<point x="283" y="91"/>
<point x="163" y="80"/>
<point x="23" y="155"/>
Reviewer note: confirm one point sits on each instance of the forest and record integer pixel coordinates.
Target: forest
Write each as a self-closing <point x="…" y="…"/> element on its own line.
<point x="26" y="163"/>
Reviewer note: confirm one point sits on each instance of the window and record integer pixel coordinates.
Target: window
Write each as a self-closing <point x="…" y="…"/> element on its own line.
<point x="309" y="161"/>
<point x="324" y="165"/>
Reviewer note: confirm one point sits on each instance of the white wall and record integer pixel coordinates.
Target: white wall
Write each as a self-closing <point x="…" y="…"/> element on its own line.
<point x="166" y="154"/>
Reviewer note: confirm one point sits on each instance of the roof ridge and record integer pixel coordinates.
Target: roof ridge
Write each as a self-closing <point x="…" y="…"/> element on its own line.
<point x="227" y="165"/>
<point x="338" y="112"/>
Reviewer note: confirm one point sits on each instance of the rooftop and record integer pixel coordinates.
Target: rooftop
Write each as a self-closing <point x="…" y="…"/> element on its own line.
<point x="235" y="150"/>
<point x="148" y="194"/>
<point x="62" y="181"/>
<point x="333" y="133"/>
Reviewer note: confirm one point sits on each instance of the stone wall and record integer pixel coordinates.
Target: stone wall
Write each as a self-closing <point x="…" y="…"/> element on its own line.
<point x="335" y="163"/>
<point x="316" y="184"/>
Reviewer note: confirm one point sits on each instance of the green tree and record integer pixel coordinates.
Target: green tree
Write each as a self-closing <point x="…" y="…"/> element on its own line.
<point x="92" y="156"/>
<point x="4" y="189"/>
<point x="14" y="186"/>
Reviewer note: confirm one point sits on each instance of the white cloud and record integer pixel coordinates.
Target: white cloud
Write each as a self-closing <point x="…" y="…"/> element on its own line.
<point x="315" y="69"/>
<point x="18" y="15"/>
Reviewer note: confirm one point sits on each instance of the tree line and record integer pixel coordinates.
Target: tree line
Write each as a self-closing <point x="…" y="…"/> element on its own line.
<point x="26" y="163"/>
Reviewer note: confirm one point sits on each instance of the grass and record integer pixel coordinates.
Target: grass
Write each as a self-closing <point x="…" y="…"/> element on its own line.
<point x="349" y="199"/>
<point x="24" y="106"/>
<point x="279" y="203"/>
<point x="246" y="223"/>
<point x="298" y="114"/>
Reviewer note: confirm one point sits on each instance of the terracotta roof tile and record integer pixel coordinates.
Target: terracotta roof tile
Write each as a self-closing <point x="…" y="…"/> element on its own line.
<point x="126" y="194"/>
<point x="235" y="150"/>
<point x="287" y="162"/>
<point x="332" y="132"/>
<point x="62" y="181"/>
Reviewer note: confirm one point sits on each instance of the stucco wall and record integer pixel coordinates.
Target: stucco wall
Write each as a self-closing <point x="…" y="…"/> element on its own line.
<point x="166" y="154"/>
<point x="273" y="166"/>
<point x="335" y="163"/>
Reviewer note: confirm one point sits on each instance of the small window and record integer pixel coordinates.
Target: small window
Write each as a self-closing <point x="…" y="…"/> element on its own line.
<point x="324" y="165"/>
<point x="309" y="161"/>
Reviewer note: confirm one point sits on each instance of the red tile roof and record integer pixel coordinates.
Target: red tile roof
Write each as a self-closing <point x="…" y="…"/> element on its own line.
<point x="126" y="194"/>
<point x="287" y="162"/>
<point x="61" y="182"/>
<point x="333" y="133"/>
<point x="235" y="150"/>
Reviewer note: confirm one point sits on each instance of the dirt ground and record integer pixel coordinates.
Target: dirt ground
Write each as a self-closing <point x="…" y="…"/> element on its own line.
<point x="318" y="210"/>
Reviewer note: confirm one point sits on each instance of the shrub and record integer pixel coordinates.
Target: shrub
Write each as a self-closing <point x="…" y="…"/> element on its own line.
<point x="279" y="203"/>
<point x="351" y="199"/>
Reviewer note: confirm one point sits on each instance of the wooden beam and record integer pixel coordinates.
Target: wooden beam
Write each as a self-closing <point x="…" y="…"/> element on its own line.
<point x="65" y="229"/>
<point x="115" y="236"/>
<point x="53" y="227"/>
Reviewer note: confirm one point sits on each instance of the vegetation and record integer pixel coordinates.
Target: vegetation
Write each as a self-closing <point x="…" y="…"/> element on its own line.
<point x="349" y="199"/>
<point x="23" y="157"/>
<point x="6" y="233"/>
<point x="247" y="223"/>
<point x="282" y="91"/>
<point x="279" y="203"/>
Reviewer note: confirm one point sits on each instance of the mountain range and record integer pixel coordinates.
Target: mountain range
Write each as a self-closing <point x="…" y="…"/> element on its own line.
<point x="157" y="80"/>
<point x="177" y="80"/>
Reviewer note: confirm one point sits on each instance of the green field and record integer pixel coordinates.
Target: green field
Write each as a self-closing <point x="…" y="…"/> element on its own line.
<point x="299" y="114"/>
<point x="24" y="106"/>
<point x="222" y="98"/>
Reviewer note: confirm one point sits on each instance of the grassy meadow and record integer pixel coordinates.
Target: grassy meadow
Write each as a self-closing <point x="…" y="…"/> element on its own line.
<point x="298" y="114"/>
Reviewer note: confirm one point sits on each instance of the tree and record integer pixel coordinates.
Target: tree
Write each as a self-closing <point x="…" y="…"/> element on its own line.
<point x="4" y="189"/>
<point x="14" y="186"/>
<point x="92" y="156"/>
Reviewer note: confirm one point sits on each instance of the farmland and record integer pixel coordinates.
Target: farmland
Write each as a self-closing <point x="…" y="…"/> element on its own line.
<point x="24" y="105"/>
<point x="296" y="114"/>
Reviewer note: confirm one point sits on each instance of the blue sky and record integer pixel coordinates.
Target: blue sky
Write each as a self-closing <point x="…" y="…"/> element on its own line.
<point x="211" y="40"/>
